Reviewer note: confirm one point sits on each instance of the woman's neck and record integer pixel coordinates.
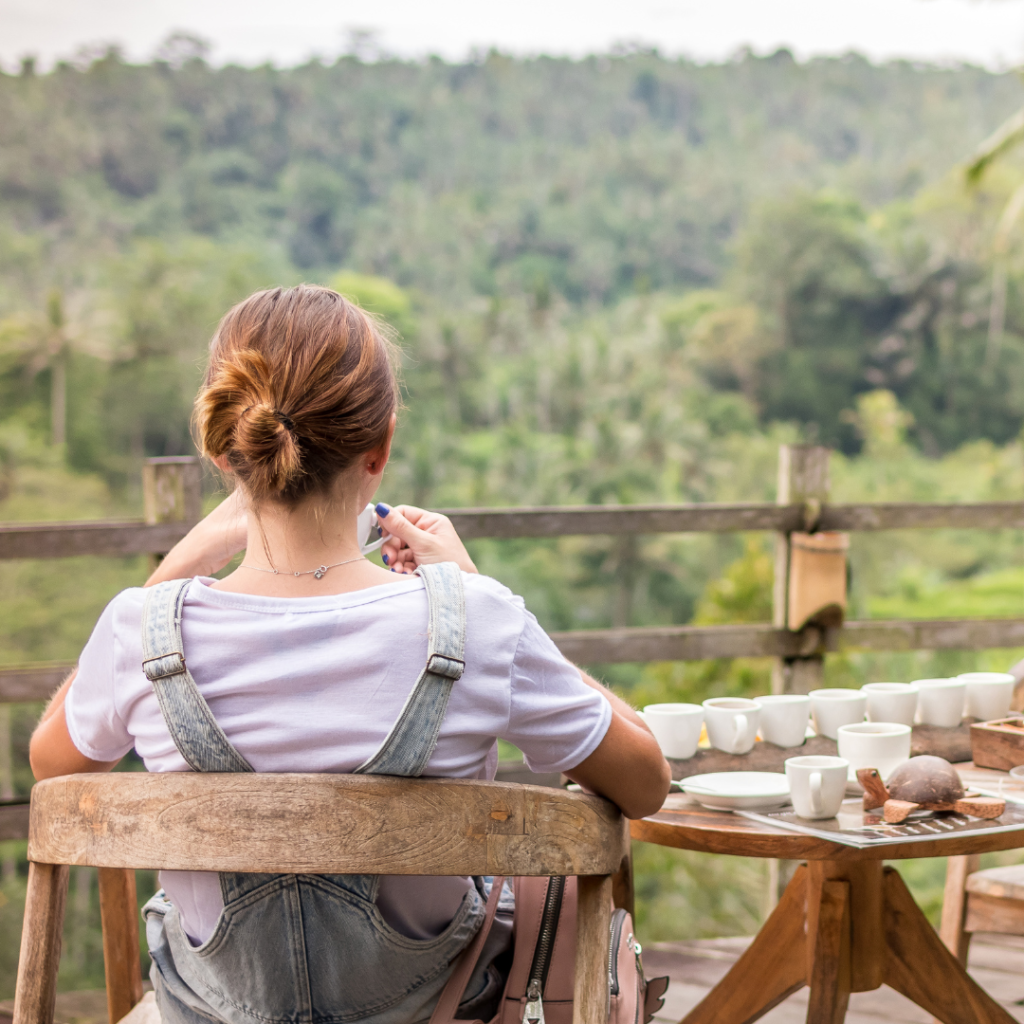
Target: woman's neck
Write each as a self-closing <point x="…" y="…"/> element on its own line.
<point x="288" y="547"/>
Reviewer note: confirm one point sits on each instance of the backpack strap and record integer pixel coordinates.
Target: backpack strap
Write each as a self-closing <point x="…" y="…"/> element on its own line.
<point x="410" y="743"/>
<point x="196" y="734"/>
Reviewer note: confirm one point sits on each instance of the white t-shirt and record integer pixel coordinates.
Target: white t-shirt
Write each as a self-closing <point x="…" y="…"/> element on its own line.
<point x="314" y="684"/>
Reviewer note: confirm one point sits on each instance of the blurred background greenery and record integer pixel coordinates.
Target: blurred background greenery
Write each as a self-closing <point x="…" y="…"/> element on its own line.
<point x="619" y="279"/>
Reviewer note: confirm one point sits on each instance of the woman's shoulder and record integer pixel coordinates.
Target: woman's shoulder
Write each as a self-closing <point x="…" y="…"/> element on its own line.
<point x="488" y="591"/>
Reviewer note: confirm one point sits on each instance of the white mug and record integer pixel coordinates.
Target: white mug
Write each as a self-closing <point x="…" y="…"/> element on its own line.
<point x="941" y="701"/>
<point x="676" y="727"/>
<point x="368" y="531"/>
<point x="891" y="702"/>
<point x="783" y="718"/>
<point x="817" y="785"/>
<point x="881" y="745"/>
<point x="732" y="723"/>
<point x="988" y="694"/>
<point x="835" y="707"/>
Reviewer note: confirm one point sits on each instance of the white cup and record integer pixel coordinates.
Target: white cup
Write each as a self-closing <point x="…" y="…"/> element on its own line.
<point x="988" y="694"/>
<point x="817" y="785"/>
<point x="941" y="701"/>
<point x="783" y="719"/>
<point x="676" y="727"/>
<point x="732" y="723"/>
<point x="833" y="708"/>
<point x="891" y="702"/>
<point x="881" y="745"/>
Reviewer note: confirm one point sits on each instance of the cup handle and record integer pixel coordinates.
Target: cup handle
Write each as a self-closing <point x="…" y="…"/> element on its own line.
<point x="815" y="786"/>
<point x="742" y="728"/>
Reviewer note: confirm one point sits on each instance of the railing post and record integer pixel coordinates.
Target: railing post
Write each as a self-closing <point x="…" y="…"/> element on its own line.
<point x="803" y="479"/>
<point x="171" y="492"/>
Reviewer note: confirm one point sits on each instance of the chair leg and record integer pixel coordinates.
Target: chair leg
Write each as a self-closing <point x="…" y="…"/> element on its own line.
<point x="119" y="914"/>
<point x="593" y="919"/>
<point x="36" y="990"/>
<point x="954" y="905"/>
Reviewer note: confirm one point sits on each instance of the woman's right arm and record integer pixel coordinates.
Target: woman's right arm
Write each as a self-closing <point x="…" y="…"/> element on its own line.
<point x="628" y="766"/>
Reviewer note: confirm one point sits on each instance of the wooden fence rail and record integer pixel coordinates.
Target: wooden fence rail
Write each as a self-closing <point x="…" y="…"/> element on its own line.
<point x="131" y="537"/>
<point x="686" y="643"/>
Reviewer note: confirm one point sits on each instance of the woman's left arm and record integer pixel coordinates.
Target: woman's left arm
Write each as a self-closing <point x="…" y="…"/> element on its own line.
<point x="207" y="547"/>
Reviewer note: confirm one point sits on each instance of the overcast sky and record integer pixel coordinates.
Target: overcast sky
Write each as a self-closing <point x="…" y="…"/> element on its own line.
<point x="989" y="32"/>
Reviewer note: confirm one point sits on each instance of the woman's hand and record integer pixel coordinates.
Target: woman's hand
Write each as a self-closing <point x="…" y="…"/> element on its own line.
<point x="418" y="537"/>
<point x="210" y="544"/>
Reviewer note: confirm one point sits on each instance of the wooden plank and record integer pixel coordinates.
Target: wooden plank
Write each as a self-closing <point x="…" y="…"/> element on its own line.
<point x="103" y="537"/>
<point x="590" y="981"/>
<point x="993" y="914"/>
<point x="36" y="990"/>
<point x="954" y="905"/>
<point x="570" y="520"/>
<point x="990" y="515"/>
<point x="131" y="537"/>
<point x="695" y="643"/>
<point x="348" y="823"/>
<point x="25" y="683"/>
<point x="119" y="913"/>
<point x="14" y="820"/>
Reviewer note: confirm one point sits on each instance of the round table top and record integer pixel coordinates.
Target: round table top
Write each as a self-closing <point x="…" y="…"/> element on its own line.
<point x="685" y="825"/>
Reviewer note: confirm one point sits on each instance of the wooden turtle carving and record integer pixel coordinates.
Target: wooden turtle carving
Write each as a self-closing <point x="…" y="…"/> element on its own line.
<point x="924" y="783"/>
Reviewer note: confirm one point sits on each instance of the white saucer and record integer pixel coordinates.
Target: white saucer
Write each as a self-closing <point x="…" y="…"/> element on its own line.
<point x="738" y="791"/>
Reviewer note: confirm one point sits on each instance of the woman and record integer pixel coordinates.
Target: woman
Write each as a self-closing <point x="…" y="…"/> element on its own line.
<point x="302" y="660"/>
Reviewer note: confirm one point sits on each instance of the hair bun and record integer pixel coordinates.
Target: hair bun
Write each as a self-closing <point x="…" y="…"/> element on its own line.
<point x="266" y="443"/>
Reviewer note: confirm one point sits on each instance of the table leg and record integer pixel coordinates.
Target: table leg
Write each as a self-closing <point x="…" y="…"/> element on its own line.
<point x="920" y="966"/>
<point x="845" y="927"/>
<point x="773" y="966"/>
<point x="830" y="970"/>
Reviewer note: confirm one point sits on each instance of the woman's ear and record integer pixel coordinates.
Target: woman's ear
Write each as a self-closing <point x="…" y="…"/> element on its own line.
<point x="376" y="461"/>
<point x="221" y="462"/>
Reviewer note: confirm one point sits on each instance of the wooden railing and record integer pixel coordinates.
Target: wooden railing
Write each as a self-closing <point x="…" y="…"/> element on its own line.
<point x="171" y="498"/>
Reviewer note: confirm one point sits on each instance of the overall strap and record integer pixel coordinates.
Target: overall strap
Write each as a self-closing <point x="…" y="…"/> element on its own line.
<point x="410" y="744"/>
<point x="196" y="734"/>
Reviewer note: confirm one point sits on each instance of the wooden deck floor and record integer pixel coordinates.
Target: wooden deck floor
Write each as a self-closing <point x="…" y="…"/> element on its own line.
<point x="996" y="962"/>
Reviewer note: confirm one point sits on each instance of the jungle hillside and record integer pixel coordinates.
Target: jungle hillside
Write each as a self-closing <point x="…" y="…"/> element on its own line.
<point x="619" y="279"/>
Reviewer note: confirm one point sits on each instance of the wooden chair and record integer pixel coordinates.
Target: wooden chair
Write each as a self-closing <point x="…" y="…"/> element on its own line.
<point x="980" y="901"/>
<point x="314" y="824"/>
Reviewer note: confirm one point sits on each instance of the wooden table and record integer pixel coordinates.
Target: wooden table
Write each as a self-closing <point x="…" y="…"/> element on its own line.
<point x="845" y="922"/>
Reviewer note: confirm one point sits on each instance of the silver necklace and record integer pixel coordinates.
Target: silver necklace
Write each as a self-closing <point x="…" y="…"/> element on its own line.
<point x="318" y="572"/>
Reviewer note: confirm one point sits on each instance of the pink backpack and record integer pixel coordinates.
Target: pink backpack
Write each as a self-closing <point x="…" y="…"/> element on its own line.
<point x="539" y="989"/>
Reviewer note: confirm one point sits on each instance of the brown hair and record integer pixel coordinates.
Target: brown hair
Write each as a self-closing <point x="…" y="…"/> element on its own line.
<point x="300" y="383"/>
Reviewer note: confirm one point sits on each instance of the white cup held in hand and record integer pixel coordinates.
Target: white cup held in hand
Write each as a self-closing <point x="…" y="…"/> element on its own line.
<point x="881" y="745"/>
<point x="817" y="785"/>
<point x="891" y="702"/>
<point x="832" y="708"/>
<point x="783" y="719"/>
<point x="941" y="701"/>
<point x="368" y="532"/>
<point x="676" y="727"/>
<point x="988" y="694"/>
<point x="732" y="723"/>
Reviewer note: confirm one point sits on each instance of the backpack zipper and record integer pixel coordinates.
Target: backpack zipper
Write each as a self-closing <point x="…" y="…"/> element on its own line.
<point x="533" y="1012"/>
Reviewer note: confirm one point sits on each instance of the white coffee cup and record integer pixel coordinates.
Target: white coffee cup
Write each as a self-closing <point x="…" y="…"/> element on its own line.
<point x="783" y="718"/>
<point x="676" y="727"/>
<point x="891" y="702"/>
<point x="817" y="784"/>
<point x="988" y="694"/>
<point x="941" y="701"/>
<point x="881" y="745"/>
<point x="732" y="723"/>
<point x="835" y="707"/>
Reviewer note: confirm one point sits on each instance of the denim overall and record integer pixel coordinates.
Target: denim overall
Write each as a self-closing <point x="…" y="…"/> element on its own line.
<point x="310" y="949"/>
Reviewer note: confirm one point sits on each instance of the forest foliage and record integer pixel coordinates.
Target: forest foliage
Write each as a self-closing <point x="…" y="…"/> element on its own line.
<point x="618" y="279"/>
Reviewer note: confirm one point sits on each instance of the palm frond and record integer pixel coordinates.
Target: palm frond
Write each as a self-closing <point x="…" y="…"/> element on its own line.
<point x="1003" y="139"/>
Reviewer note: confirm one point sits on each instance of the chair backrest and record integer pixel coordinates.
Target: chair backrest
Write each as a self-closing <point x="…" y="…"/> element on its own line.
<point x="322" y="824"/>
<point x="309" y="823"/>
